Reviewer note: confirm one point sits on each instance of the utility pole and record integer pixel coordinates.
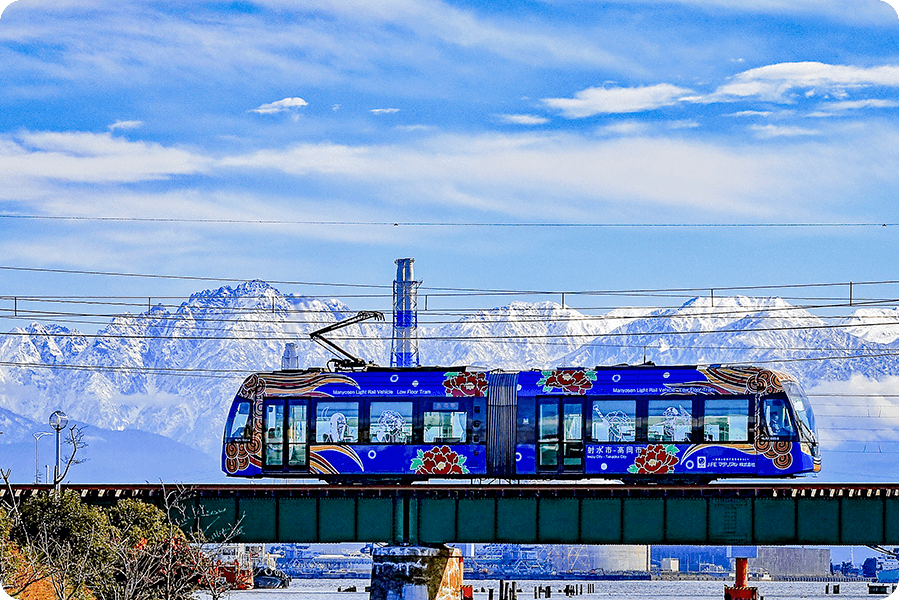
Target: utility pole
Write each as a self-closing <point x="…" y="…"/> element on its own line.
<point x="37" y="469"/>
<point x="58" y="421"/>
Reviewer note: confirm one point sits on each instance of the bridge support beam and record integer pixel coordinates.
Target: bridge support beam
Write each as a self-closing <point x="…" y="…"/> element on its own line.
<point x="416" y="573"/>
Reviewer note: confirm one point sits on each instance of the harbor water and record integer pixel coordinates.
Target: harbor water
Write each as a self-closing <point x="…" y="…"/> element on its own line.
<point x="327" y="589"/>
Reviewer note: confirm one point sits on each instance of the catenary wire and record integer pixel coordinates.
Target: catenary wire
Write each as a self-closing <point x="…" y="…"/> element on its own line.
<point x="480" y="224"/>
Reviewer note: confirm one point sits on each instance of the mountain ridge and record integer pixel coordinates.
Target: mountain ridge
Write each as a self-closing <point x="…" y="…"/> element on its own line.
<point x="174" y="373"/>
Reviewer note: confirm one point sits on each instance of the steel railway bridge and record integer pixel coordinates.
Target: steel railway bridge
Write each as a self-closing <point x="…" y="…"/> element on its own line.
<point x="729" y="514"/>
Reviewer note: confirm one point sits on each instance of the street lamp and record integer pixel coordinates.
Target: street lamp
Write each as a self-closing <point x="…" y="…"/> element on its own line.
<point x="58" y="421"/>
<point x="37" y="469"/>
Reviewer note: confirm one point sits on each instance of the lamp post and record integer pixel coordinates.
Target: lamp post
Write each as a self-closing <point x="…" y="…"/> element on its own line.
<point x="58" y="421"/>
<point x="37" y="469"/>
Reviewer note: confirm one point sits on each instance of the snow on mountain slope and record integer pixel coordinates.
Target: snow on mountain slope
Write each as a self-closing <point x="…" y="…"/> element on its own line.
<point x="517" y="336"/>
<point x="766" y="331"/>
<point x="175" y="373"/>
<point x="875" y="325"/>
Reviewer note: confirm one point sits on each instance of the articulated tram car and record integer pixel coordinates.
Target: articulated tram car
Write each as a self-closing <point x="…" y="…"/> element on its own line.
<point x="630" y="423"/>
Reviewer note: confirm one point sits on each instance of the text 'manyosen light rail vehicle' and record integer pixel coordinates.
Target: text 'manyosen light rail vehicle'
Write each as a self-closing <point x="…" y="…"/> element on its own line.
<point x="679" y="424"/>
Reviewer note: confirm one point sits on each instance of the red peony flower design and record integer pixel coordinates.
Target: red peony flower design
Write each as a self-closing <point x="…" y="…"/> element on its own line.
<point x="655" y="459"/>
<point x="574" y="381"/>
<point x="440" y="460"/>
<point x="462" y="385"/>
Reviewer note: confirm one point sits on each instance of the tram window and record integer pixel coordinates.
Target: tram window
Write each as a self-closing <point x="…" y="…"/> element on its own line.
<point x="238" y="426"/>
<point x="390" y="422"/>
<point x="274" y="421"/>
<point x="337" y="422"/>
<point x="296" y="435"/>
<point x="777" y="418"/>
<point x="613" y="421"/>
<point x="548" y="433"/>
<point x="669" y="420"/>
<point x="572" y="423"/>
<point x="726" y="420"/>
<point x="445" y="427"/>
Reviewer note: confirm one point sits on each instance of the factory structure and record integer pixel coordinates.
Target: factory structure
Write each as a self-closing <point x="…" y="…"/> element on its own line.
<point x="544" y="561"/>
<point x="780" y="562"/>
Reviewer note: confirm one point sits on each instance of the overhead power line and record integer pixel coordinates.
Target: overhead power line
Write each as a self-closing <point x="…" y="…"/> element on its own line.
<point x="479" y="224"/>
<point x="477" y="291"/>
<point x="218" y="373"/>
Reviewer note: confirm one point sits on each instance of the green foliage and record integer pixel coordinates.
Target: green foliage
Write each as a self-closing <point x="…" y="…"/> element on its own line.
<point x="131" y="551"/>
<point x="135" y="521"/>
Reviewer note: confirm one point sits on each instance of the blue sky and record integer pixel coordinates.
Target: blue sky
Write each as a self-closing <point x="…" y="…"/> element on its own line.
<point x="420" y="111"/>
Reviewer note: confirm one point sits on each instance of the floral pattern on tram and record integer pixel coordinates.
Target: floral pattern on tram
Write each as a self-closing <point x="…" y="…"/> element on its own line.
<point x="440" y="460"/>
<point x="655" y="459"/>
<point x="574" y="381"/>
<point x="465" y="385"/>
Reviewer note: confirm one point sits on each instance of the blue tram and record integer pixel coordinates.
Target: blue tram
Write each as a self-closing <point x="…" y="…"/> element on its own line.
<point x="641" y="423"/>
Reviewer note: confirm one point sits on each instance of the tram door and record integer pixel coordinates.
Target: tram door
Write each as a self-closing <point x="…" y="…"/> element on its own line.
<point x="560" y="444"/>
<point x="285" y="435"/>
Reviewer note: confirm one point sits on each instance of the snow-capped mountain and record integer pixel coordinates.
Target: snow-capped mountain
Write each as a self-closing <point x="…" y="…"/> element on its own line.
<point x="520" y="335"/>
<point x="172" y="374"/>
<point x="175" y="373"/>
<point x="768" y="331"/>
<point x="874" y="324"/>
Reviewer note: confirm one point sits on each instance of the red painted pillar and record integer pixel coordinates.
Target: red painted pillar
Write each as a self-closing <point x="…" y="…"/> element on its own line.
<point x="740" y="572"/>
<point x="740" y="590"/>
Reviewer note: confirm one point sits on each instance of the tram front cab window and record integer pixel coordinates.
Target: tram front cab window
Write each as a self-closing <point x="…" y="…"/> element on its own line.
<point x="802" y="409"/>
<point x="446" y="423"/>
<point x="238" y="427"/>
<point x="777" y="417"/>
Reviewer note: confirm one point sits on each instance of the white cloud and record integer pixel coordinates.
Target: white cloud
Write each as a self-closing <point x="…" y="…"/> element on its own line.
<point x="776" y="83"/>
<point x="280" y="106"/>
<point x="384" y="111"/>
<point x="512" y="173"/>
<point x="523" y="119"/>
<point x="3" y="5"/>
<point x="624" y="128"/>
<point x="125" y="125"/>
<point x="683" y="124"/>
<point x="595" y="101"/>
<point x="91" y="157"/>
<point x="832" y="108"/>
<point x="771" y="131"/>
<point x="750" y="113"/>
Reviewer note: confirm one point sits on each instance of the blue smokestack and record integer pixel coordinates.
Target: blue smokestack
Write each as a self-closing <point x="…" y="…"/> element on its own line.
<point x="405" y="346"/>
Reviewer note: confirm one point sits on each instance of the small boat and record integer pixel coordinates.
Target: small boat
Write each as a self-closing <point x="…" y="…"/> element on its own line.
<point x="886" y="569"/>
<point x="269" y="579"/>
<point x="233" y="565"/>
<point x="249" y="566"/>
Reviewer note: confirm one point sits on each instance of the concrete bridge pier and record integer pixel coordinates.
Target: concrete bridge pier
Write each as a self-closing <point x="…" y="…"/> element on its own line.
<point x="416" y="573"/>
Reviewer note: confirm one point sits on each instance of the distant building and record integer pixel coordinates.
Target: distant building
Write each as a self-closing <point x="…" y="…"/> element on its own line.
<point x="784" y="562"/>
<point x="668" y="564"/>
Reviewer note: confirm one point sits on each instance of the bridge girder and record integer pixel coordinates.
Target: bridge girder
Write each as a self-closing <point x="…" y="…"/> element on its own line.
<point x="744" y="514"/>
